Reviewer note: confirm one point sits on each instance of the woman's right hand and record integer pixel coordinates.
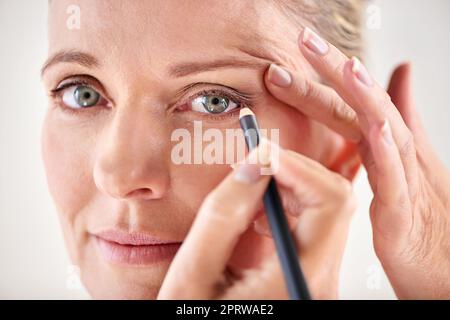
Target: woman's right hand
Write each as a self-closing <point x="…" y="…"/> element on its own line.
<point x="410" y="210"/>
<point x="320" y="205"/>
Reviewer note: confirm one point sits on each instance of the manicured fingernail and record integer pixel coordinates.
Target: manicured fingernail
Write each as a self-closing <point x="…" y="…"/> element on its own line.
<point x="265" y="156"/>
<point x="278" y="76"/>
<point x="387" y="133"/>
<point x="313" y="42"/>
<point x="247" y="173"/>
<point x="361" y="72"/>
<point x="266" y="152"/>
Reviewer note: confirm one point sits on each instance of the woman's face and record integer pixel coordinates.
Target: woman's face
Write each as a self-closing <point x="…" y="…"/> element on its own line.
<point x="109" y="158"/>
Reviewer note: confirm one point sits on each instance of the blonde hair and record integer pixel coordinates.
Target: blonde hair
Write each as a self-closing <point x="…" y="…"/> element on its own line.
<point x="338" y="21"/>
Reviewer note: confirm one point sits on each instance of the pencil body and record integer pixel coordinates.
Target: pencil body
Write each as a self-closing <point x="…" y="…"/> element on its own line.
<point x="284" y="242"/>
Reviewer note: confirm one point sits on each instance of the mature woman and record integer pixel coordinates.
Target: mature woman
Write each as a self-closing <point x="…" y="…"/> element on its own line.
<point x="132" y="73"/>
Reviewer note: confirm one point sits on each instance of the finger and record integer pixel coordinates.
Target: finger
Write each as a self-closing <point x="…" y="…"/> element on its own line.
<point x="198" y="268"/>
<point x="328" y="61"/>
<point x="353" y="83"/>
<point x="320" y="232"/>
<point x="326" y="197"/>
<point x="308" y="185"/>
<point x="392" y="189"/>
<point x="315" y="100"/>
<point x="262" y="227"/>
<point x="311" y="182"/>
<point x="378" y="107"/>
<point x="332" y="65"/>
<point x="261" y="224"/>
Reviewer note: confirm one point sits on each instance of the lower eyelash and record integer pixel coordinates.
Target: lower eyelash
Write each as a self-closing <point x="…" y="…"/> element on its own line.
<point x="224" y="115"/>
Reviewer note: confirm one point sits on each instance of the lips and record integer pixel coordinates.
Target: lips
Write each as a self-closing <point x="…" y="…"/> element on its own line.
<point x="134" y="248"/>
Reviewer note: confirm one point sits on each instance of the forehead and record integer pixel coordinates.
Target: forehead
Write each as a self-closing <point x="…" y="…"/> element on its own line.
<point x="162" y="30"/>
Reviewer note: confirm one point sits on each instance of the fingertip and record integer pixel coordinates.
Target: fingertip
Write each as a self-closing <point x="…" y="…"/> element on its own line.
<point x="350" y="78"/>
<point x="278" y="76"/>
<point x="312" y="44"/>
<point x="349" y="66"/>
<point x="301" y="37"/>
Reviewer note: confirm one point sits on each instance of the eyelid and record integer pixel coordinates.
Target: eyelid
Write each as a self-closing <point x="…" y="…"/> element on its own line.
<point x="213" y="86"/>
<point x="215" y="89"/>
<point x="82" y="79"/>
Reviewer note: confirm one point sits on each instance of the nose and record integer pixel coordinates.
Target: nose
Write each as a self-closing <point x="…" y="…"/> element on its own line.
<point x="131" y="157"/>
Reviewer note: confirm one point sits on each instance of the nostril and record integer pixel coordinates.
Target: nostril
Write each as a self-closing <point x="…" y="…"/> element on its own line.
<point x="144" y="193"/>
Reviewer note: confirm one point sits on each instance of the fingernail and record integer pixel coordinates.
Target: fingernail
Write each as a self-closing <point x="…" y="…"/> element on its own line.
<point x="314" y="42"/>
<point x="264" y="154"/>
<point x="361" y="72"/>
<point x="387" y="133"/>
<point x="278" y="76"/>
<point x="247" y="173"/>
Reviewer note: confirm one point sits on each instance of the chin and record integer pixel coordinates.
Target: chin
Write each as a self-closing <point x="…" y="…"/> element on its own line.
<point x="123" y="293"/>
<point x="105" y="281"/>
<point x="120" y="289"/>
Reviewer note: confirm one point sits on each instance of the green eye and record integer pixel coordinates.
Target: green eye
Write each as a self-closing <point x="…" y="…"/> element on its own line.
<point x="86" y="96"/>
<point x="215" y="104"/>
<point x="212" y="104"/>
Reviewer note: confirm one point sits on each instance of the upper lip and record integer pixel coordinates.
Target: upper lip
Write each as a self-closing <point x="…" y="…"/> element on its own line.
<point x="134" y="238"/>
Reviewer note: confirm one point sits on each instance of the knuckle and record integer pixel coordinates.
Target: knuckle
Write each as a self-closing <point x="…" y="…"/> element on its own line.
<point x="341" y="112"/>
<point x="399" y="200"/>
<point x="338" y="68"/>
<point x="306" y="89"/>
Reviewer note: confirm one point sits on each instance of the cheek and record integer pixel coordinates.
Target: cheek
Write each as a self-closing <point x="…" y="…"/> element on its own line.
<point x="191" y="182"/>
<point x="65" y="152"/>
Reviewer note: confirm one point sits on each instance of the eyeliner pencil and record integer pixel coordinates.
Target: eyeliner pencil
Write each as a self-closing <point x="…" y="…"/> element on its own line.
<point x="284" y="243"/>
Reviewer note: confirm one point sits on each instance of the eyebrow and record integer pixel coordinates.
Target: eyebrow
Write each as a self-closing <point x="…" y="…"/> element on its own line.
<point x="78" y="57"/>
<point x="178" y="70"/>
<point x="191" y="68"/>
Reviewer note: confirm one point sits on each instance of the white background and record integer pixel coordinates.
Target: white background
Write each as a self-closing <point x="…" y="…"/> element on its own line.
<point x="33" y="261"/>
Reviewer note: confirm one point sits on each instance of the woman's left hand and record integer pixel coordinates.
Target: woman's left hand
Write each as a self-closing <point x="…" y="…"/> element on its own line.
<point x="410" y="211"/>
